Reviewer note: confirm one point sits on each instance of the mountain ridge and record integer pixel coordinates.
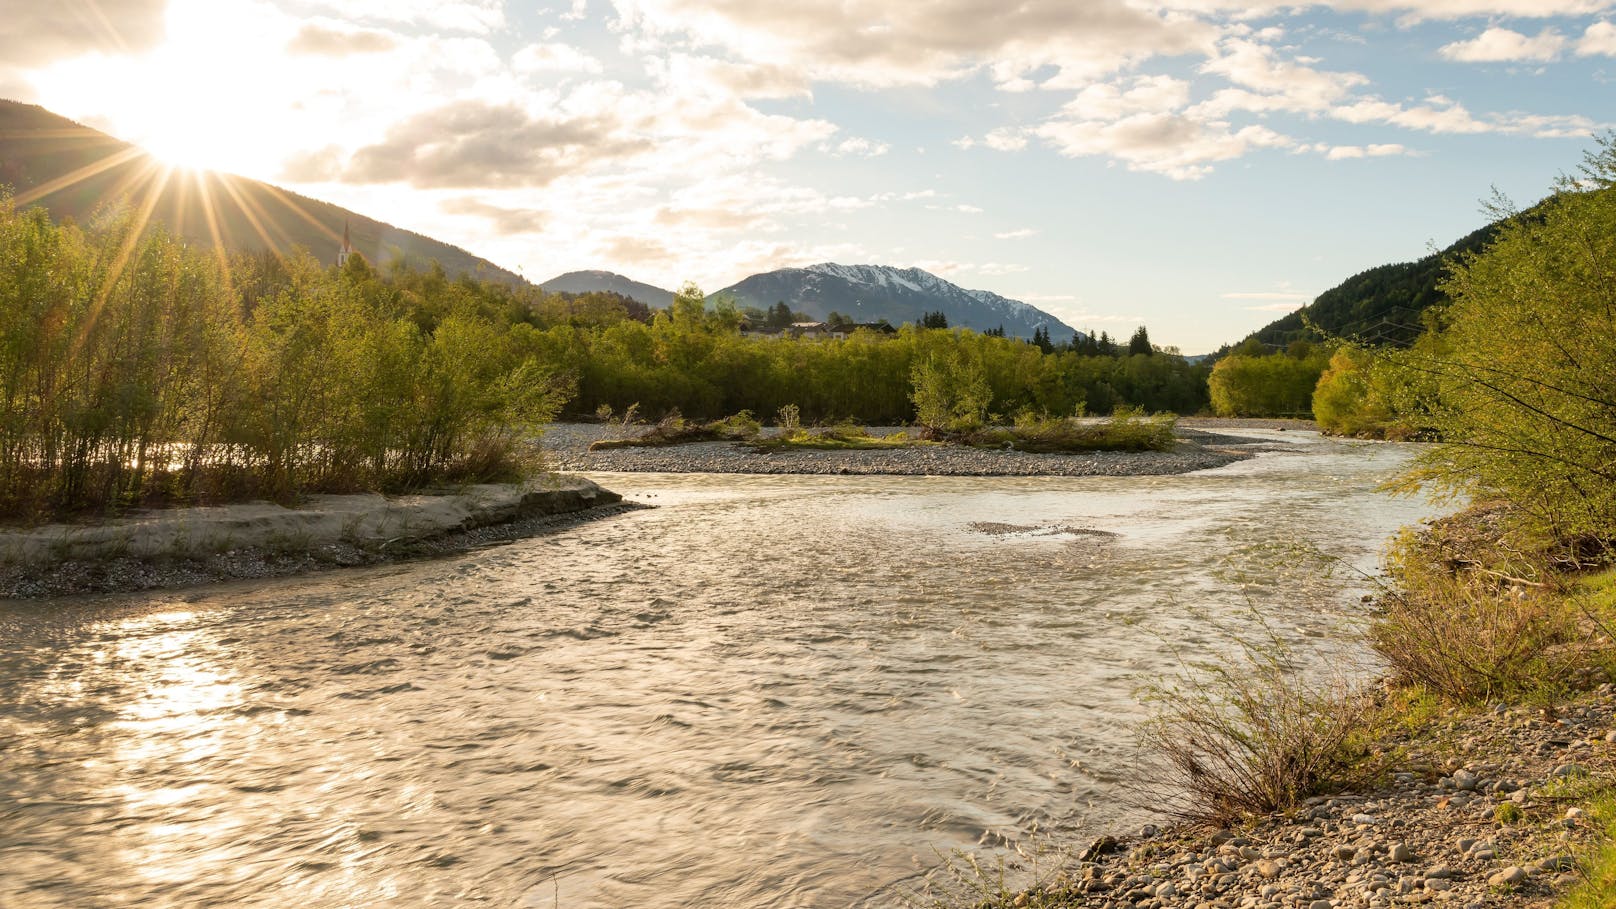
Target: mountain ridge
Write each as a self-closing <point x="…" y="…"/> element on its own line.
<point x="72" y="170"/>
<point x="870" y="293"/>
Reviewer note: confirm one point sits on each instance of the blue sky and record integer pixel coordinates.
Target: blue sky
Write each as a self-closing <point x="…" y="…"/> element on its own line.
<point x="1197" y="166"/>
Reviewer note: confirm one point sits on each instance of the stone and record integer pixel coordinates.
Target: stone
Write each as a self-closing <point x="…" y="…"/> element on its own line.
<point x="1566" y="771"/>
<point x="1345" y="852"/>
<point x="1465" y="780"/>
<point x="1509" y="877"/>
<point x="1268" y="868"/>
<point x="1400" y="852"/>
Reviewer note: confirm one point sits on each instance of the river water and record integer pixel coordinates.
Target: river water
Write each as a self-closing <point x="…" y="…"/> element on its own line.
<point x="769" y="691"/>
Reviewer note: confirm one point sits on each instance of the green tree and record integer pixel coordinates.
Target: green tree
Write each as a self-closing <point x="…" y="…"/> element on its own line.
<point x="1525" y="402"/>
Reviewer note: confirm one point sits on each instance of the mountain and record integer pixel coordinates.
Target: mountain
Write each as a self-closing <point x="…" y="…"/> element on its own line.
<point x="73" y="170"/>
<point x="583" y="282"/>
<point x="870" y="293"/>
<point x="1381" y="305"/>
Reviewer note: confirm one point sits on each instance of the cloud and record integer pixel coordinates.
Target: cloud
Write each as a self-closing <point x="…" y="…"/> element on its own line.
<point x="1143" y="94"/>
<point x="1274" y="307"/>
<point x="473" y="16"/>
<point x="41" y="32"/>
<point x="742" y="80"/>
<point x="554" y="58"/>
<point x="1341" y="152"/>
<point x="1499" y="45"/>
<point x="860" y="148"/>
<point x="1599" y="39"/>
<point x="1287" y="298"/>
<point x="922" y="42"/>
<point x="322" y="39"/>
<point x="1174" y="146"/>
<point x="505" y="220"/>
<point x="1018" y="234"/>
<point x="478" y="144"/>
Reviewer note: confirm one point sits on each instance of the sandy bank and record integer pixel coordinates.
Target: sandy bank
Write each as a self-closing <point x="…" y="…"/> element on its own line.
<point x="185" y="546"/>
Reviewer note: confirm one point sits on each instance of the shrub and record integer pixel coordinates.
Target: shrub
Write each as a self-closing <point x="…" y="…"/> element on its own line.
<point x="1250" y="737"/>
<point x="1470" y="615"/>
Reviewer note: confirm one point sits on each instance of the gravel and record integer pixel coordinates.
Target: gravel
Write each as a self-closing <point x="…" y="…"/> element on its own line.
<point x="1415" y="837"/>
<point x="566" y="447"/>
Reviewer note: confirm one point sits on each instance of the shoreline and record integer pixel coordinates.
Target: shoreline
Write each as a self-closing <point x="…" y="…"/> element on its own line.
<point x="186" y="547"/>
<point x="1200" y="447"/>
<point x="1429" y="827"/>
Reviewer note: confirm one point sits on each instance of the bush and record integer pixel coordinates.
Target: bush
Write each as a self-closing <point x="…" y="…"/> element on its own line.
<point x="1474" y="617"/>
<point x="1249" y="738"/>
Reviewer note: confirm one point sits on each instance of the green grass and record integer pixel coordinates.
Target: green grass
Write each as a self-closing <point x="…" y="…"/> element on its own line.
<point x="838" y="438"/>
<point x="1598" y="888"/>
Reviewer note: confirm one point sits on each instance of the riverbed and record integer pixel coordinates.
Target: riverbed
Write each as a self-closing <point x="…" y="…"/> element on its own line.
<point x="768" y="691"/>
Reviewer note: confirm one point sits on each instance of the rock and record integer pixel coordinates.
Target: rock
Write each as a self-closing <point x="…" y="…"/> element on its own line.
<point x="1166" y="891"/>
<point x="1320" y="904"/>
<point x="1345" y="852"/>
<point x="1567" y="771"/>
<point x="1100" y="847"/>
<point x="1557" y="863"/>
<point x="1268" y="868"/>
<point x="1439" y="871"/>
<point x="1400" y="852"/>
<point x="1364" y="819"/>
<point x="1509" y="877"/>
<point x="1465" y="780"/>
<point x="1573" y="814"/>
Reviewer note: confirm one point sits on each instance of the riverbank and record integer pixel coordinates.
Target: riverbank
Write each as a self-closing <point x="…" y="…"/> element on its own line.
<point x="1474" y="807"/>
<point x="183" y="547"/>
<point x="566" y="447"/>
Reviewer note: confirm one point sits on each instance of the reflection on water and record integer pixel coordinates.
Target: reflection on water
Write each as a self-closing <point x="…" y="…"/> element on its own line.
<point x="771" y="691"/>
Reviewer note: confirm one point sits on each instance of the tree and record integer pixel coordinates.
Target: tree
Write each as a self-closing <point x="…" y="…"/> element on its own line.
<point x="950" y="393"/>
<point x="933" y="320"/>
<point x="1525" y="404"/>
<point x="1140" y="343"/>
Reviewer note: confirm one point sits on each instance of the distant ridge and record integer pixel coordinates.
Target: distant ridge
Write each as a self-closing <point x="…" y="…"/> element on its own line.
<point x="72" y="170"/>
<point x="870" y="293"/>
<point x="583" y="282"/>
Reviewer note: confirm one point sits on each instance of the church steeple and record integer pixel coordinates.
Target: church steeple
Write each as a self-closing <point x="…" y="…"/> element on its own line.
<point x="347" y="247"/>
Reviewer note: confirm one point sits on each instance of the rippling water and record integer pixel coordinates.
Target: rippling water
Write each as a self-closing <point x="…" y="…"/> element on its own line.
<point x="770" y="691"/>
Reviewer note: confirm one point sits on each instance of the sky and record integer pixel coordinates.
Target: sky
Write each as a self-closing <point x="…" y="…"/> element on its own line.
<point x="1197" y="166"/>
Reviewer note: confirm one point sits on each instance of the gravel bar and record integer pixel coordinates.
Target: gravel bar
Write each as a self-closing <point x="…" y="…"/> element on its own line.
<point x="566" y="447"/>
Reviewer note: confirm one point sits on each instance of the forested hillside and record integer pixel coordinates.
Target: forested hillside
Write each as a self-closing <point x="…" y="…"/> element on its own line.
<point x="73" y="171"/>
<point x="1378" y="306"/>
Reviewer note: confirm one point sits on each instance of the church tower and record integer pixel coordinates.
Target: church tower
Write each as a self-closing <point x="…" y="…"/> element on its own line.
<point x="347" y="247"/>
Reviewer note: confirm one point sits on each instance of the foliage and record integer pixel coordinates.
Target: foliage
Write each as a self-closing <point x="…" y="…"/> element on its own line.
<point x="1127" y="429"/>
<point x="951" y="393"/>
<point x="1273" y="385"/>
<point x="674" y="429"/>
<point x="1475" y="615"/>
<point x="135" y="369"/>
<point x="1248" y="736"/>
<point x="842" y="437"/>
<point x="1524" y="405"/>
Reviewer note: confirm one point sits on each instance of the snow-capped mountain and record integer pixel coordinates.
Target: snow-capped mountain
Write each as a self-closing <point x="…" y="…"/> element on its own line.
<point x="870" y="293"/>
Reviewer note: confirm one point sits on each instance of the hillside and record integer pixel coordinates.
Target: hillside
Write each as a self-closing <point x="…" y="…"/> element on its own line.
<point x="73" y="170"/>
<point x="583" y="282"/>
<point x="870" y="293"/>
<point x="1378" y="306"/>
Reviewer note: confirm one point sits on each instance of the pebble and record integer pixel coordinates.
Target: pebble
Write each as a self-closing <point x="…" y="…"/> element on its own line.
<point x="1514" y="874"/>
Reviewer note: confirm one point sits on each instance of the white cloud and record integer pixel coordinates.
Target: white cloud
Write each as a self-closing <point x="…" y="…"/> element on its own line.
<point x="860" y="148"/>
<point x="923" y="42"/>
<point x="1287" y="297"/>
<point x="1341" y="152"/>
<point x="554" y="58"/>
<point x="1175" y="146"/>
<point x="1500" y="45"/>
<point x="1018" y="234"/>
<point x="1599" y="39"/>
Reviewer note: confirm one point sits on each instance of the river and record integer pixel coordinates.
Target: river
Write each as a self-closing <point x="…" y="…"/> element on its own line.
<point x="768" y="691"/>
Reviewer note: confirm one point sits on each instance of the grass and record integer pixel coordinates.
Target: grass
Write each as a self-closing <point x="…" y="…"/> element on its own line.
<point x="674" y="429"/>
<point x="1479" y="617"/>
<point x="1125" y="430"/>
<point x="1249" y="736"/>
<point x="1598" y="887"/>
<point x="843" y="437"/>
